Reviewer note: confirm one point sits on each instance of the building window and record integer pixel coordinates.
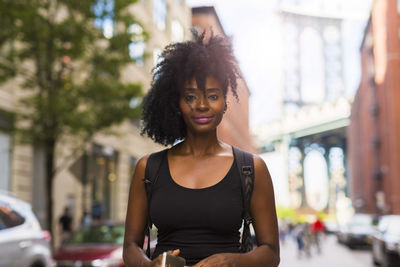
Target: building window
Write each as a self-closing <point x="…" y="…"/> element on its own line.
<point x="137" y="47"/>
<point x="177" y="33"/>
<point x="104" y="12"/>
<point x="9" y="218"/>
<point x="5" y="161"/>
<point x="160" y="14"/>
<point x="102" y="177"/>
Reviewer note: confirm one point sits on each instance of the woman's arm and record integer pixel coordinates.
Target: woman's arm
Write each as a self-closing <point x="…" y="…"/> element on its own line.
<point x="265" y="221"/>
<point x="265" y="225"/>
<point x="136" y="219"/>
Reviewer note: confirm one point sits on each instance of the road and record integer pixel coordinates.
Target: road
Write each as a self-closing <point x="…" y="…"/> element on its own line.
<point x="332" y="255"/>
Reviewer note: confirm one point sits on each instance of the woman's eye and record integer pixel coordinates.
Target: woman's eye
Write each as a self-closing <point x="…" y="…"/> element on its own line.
<point x="213" y="97"/>
<point x="189" y="98"/>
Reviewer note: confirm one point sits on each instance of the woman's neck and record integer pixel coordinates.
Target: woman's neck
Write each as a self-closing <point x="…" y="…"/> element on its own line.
<point x="200" y="145"/>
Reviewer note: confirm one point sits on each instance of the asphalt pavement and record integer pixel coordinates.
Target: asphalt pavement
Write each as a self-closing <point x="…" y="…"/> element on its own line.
<point x="332" y="254"/>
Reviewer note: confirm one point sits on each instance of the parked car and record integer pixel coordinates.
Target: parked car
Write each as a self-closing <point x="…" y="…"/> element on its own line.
<point x="100" y="244"/>
<point x="22" y="241"/>
<point x="386" y="241"/>
<point x="357" y="232"/>
<point x="331" y="226"/>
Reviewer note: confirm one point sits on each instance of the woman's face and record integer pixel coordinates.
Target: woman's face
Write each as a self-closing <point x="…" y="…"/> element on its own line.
<point x="202" y="110"/>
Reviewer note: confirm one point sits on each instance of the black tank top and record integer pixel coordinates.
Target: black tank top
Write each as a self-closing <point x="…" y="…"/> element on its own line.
<point x="200" y="222"/>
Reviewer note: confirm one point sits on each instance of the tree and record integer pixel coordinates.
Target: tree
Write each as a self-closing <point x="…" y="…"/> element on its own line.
<point x="69" y="55"/>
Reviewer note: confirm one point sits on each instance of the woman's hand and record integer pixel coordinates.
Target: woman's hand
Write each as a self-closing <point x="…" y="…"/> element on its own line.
<point x="221" y="259"/>
<point x="157" y="261"/>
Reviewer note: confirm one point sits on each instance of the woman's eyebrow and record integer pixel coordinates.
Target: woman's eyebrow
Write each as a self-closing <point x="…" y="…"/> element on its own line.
<point x="191" y="90"/>
<point x="216" y="89"/>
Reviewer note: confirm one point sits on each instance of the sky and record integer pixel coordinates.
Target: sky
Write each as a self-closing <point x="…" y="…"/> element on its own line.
<point x="255" y="28"/>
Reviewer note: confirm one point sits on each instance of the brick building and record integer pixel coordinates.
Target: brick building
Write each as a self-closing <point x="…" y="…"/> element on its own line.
<point x="374" y="132"/>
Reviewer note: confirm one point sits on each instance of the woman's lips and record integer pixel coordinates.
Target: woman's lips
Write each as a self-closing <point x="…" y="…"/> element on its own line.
<point x="203" y="119"/>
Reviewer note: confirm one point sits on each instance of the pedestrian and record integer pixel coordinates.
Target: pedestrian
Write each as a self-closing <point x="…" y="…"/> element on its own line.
<point x="307" y="239"/>
<point x="317" y="230"/>
<point x="196" y="202"/>
<point x="97" y="210"/>
<point x="283" y="230"/>
<point x="291" y="227"/>
<point x="86" y="219"/>
<point x="65" y="222"/>
<point x="298" y="234"/>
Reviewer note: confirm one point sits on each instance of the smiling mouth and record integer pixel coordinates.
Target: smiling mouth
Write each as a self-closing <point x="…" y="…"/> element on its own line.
<point x="203" y="119"/>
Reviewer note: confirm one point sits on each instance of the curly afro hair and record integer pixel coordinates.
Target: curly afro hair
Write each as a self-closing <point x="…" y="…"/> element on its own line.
<point x="180" y="62"/>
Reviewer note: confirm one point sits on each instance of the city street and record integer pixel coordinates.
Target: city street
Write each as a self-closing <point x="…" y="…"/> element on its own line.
<point x="302" y="96"/>
<point x="332" y="255"/>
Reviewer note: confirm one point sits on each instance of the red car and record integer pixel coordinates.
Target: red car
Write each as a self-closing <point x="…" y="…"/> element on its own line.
<point x="98" y="245"/>
<point x="95" y="245"/>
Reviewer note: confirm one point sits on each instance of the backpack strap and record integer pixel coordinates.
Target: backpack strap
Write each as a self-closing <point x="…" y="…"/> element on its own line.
<point x="150" y="179"/>
<point x="245" y="164"/>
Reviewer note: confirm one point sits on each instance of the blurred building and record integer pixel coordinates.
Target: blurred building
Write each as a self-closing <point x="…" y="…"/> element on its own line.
<point x="306" y="149"/>
<point x="99" y="179"/>
<point x="234" y="128"/>
<point x="374" y="132"/>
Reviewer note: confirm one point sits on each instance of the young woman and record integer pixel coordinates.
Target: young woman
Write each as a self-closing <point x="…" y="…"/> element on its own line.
<point x="196" y="203"/>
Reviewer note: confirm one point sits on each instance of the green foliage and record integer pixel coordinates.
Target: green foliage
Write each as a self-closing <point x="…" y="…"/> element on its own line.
<point x="286" y="213"/>
<point x="69" y="65"/>
<point x="70" y="69"/>
<point x="295" y="216"/>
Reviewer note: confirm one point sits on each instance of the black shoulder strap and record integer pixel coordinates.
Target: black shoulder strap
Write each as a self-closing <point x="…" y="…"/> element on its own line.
<point x="150" y="179"/>
<point x="245" y="164"/>
<point x="152" y="169"/>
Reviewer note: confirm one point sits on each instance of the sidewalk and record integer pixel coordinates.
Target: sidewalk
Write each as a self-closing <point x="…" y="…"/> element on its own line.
<point x="332" y="255"/>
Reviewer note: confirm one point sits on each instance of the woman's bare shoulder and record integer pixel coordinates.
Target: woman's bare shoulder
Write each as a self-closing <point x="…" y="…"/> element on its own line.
<point x="142" y="162"/>
<point x="259" y="163"/>
<point x="141" y="167"/>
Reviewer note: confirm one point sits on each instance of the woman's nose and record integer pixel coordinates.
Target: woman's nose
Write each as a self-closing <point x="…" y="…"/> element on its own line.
<point x="202" y="103"/>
